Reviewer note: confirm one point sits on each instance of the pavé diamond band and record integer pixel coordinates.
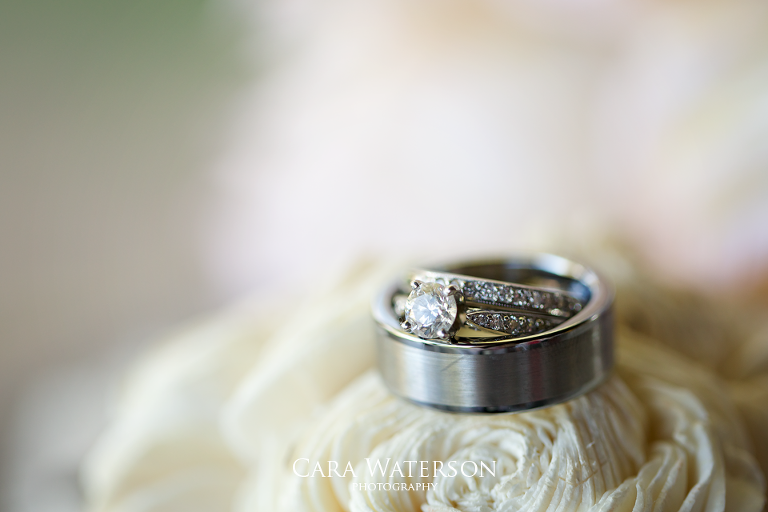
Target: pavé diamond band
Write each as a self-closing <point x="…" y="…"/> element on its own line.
<point x="441" y="303"/>
<point x="490" y="369"/>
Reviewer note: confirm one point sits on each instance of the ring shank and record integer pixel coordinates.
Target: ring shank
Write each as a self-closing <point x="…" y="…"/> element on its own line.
<point x="541" y="270"/>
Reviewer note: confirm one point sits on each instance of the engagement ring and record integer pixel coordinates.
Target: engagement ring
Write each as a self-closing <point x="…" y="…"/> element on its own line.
<point x="441" y="303"/>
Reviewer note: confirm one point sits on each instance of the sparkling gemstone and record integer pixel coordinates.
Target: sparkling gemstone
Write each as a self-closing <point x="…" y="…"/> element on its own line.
<point x="513" y="325"/>
<point x="429" y="311"/>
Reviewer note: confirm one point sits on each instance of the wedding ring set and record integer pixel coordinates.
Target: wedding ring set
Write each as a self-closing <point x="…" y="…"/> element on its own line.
<point x="495" y="336"/>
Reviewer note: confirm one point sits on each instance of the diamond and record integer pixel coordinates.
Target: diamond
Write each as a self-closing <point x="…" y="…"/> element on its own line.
<point x="522" y="297"/>
<point x="487" y="292"/>
<point x="429" y="312"/>
<point x="574" y="306"/>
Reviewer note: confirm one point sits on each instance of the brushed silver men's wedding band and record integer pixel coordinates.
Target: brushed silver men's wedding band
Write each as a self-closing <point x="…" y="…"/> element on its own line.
<point x="502" y="374"/>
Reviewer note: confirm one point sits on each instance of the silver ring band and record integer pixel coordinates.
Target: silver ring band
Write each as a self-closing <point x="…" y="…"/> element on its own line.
<point x="503" y="374"/>
<point x="499" y="294"/>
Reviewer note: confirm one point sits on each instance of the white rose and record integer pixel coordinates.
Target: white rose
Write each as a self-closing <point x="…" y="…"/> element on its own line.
<point x="216" y="419"/>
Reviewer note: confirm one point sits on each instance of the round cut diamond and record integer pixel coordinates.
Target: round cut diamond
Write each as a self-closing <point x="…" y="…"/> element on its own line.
<point x="429" y="311"/>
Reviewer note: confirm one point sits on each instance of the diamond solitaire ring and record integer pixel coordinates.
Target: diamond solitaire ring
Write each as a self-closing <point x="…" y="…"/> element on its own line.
<point x="495" y="336"/>
<point x="442" y="303"/>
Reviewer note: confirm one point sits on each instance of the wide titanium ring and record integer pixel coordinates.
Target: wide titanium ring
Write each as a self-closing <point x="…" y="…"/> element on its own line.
<point x="507" y="375"/>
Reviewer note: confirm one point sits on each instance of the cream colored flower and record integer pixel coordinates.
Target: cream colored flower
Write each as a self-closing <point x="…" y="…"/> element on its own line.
<point x="216" y="419"/>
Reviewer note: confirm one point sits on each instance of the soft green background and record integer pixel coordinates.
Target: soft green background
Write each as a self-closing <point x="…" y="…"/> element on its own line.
<point x="111" y="112"/>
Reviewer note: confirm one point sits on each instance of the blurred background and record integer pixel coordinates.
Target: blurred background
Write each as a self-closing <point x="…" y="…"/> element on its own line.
<point x="159" y="160"/>
<point x="111" y="114"/>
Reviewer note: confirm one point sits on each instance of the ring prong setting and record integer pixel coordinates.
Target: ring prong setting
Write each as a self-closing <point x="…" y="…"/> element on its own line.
<point x="450" y="290"/>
